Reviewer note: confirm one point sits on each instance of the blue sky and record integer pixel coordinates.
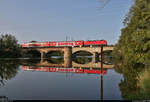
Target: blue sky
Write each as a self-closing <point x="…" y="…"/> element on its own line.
<point x="53" y="20"/>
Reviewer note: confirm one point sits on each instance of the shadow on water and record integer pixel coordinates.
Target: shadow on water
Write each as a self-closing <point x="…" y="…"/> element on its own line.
<point x="8" y="70"/>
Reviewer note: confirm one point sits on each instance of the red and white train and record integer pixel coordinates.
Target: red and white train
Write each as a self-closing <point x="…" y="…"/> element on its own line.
<point x="65" y="43"/>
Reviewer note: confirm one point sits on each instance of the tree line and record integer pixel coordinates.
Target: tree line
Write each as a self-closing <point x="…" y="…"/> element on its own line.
<point x="9" y="47"/>
<point x="132" y="52"/>
<point x="134" y="44"/>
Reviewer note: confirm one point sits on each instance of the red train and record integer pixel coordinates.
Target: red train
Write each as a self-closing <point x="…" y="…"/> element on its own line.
<point x="65" y="43"/>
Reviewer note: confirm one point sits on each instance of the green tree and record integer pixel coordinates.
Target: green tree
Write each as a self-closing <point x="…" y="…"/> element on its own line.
<point x="9" y="48"/>
<point x="134" y="44"/>
<point x="132" y="52"/>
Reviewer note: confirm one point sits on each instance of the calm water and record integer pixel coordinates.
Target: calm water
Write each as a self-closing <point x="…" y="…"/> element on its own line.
<point x="32" y="82"/>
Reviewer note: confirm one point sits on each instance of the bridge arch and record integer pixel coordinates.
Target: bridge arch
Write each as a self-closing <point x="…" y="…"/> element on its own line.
<point x="32" y="53"/>
<point x="54" y="53"/>
<point x="55" y="57"/>
<point x="55" y="61"/>
<point x="82" y="57"/>
<point x="92" y="65"/>
<point x="108" y="59"/>
<point x="82" y="52"/>
<point x="108" y="52"/>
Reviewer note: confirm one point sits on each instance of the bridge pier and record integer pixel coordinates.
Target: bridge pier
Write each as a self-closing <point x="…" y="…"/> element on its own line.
<point x="42" y="56"/>
<point x="94" y="57"/>
<point x="67" y="57"/>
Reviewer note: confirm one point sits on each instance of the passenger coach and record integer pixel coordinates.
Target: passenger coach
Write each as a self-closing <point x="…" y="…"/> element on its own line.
<point x="66" y="43"/>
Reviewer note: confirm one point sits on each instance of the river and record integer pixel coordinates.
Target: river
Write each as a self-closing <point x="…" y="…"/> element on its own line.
<point x="30" y="80"/>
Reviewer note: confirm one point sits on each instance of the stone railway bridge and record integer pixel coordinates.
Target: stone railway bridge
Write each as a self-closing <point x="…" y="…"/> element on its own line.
<point x="68" y="51"/>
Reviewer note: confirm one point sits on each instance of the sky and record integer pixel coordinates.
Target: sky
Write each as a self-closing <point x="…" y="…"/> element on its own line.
<point x="58" y="20"/>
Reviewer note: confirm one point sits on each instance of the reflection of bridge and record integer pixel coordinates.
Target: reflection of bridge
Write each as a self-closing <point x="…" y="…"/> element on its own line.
<point x="45" y="63"/>
<point x="68" y="51"/>
<point x="92" y="65"/>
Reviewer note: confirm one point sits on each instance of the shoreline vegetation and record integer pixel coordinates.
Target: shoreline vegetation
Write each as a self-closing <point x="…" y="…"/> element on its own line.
<point x="132" y="52"/>
<point x="133" y="46"/>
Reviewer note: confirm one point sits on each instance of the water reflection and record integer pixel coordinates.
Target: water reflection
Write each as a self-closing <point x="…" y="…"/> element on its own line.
<point x="56" y="60"/>
<point x="4" y="99"/>
<point x="47" y="77"/>
<point x="31" y="61"/>
<point x="136" y="82"/>
<point x="59" y="62"/>
<point x="76" y="70"/>
<point x="82" y="59"/>
<point x="134" y="85"/>
<point x="8" y="70"/>
<point x="108" y="60"/>
<point x="65" y="70"/>
<point x="56" y="64"/>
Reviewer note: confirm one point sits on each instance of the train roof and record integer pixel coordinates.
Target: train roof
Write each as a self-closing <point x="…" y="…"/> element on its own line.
<point x="63" y="41"/>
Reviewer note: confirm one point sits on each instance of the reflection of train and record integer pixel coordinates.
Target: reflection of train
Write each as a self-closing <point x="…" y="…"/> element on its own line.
<point x="71" y="70"/>
<point x="65" y="43"/>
